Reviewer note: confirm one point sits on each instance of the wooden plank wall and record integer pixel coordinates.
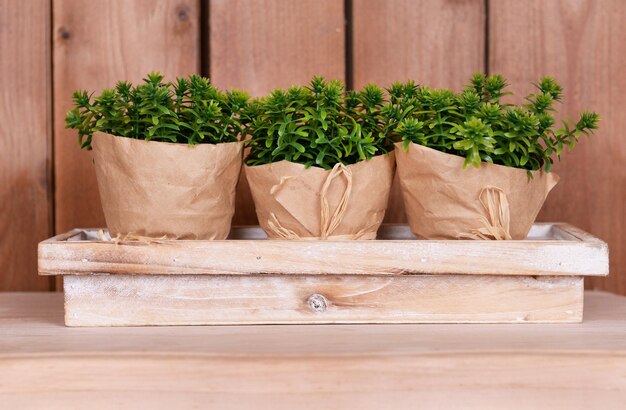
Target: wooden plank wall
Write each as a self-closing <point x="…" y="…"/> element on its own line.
<point x="47" y="184"/>
<point x="25" y="141"/>
<point x="581" y="43"/>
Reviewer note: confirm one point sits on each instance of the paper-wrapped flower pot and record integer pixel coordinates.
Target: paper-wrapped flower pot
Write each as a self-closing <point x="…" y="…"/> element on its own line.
<point x="347" y="202"/>
<point x="445" y="201"/>
<point x="161" y="189"/>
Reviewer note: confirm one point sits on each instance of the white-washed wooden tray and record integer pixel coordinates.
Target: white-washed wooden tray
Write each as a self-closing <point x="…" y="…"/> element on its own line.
<point x="247" y="279"/>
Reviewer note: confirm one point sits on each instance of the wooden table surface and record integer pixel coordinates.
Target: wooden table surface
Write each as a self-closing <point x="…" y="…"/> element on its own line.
<point x="46" y="365"/>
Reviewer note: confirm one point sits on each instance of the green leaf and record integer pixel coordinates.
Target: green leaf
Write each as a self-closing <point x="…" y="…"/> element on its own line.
<point x="298" y="146"/>
<point x="281" y="129"/>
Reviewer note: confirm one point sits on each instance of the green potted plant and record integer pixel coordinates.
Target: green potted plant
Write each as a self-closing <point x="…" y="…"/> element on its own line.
<point x="472" y="167"/>
<point x="167" y="155"/>
<point x="320" y="164"/>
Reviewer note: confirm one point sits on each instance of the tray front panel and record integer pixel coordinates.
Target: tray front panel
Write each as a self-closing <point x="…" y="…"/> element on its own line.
<point x="144" y="300"/>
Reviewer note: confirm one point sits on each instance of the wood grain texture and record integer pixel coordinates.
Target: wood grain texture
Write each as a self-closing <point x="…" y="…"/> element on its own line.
<point x="25" y="141"/>
<point x="264" y="44"/>
<point x="149" y="300"/>
<point x="560" y="255"/>
<point x="580" y="44"/>
<point x="97" y="44"/>
<point x="440" y="43"/>
<point x="573" y="366"/>
<point x="248" y="279"/>
<point x="435" y="42"/>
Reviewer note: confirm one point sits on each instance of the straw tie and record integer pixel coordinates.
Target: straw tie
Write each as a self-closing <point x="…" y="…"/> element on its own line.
<point x="497" y="223"/>
<point x="329" y="223"/>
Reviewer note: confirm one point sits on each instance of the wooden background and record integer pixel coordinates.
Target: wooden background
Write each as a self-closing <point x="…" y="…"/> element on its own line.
<point x="49" y="48"/>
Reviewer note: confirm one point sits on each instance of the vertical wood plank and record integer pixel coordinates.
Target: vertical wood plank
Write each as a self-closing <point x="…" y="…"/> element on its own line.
<point x="440" y="43"/>
<point x="25" y="139"/>
<point x="263" y="44"/>
<point x="582" y="45"/>
<point x="95" y="45"/>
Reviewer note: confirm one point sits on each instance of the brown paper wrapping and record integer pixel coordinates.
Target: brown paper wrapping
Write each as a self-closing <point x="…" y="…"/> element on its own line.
<point x="290" y="198"/>
<point x="445" y="201"/>
<point x="157" y="189"/>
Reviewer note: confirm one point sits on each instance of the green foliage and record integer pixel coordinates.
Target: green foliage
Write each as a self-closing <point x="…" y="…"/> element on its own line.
<point x="322" y="124"/>
<point x="475" y="124"/>
<point x="319" y="125"/>
<point x="190" y="110"/>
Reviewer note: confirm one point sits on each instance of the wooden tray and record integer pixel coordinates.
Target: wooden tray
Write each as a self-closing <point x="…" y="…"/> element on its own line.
<point x="394" y="279"/>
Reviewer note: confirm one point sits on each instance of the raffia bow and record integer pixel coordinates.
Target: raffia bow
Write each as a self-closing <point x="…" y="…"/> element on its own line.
<point x="497" y="223"/>
<point x="328" y="223"/>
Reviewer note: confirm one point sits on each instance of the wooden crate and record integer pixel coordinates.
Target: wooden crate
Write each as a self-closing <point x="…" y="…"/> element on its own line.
<point x="394" y="279"/>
